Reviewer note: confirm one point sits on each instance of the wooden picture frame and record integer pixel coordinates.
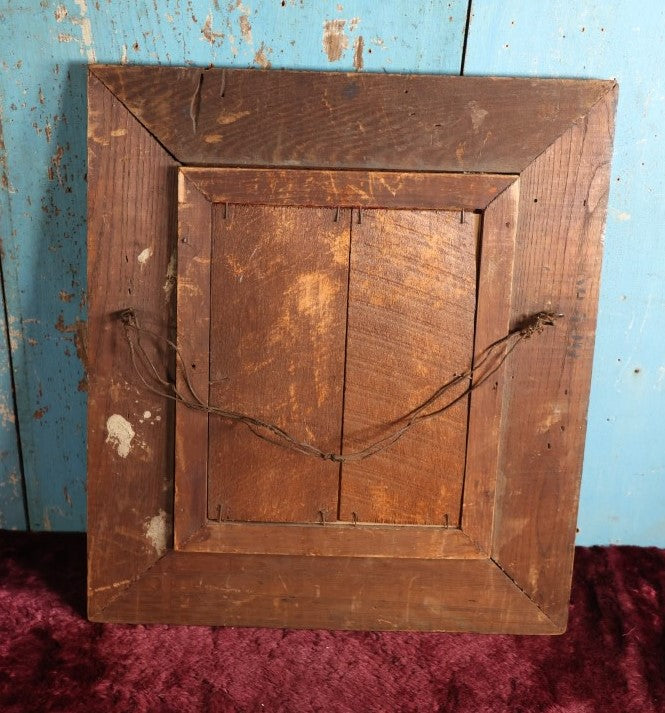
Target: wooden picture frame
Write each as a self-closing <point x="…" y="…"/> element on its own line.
<point x="526" y="160"/>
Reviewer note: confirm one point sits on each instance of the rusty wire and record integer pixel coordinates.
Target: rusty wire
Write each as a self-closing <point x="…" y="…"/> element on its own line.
<point x="487" y="363"/>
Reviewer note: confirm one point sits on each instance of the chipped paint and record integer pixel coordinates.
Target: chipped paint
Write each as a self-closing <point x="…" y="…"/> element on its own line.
<point x="119" y="434"/>
<point x="358" y="47"/>
<point x="144" y="256"/>
<point x="86" y="31"/>
<point x="245" y="29"/>
<point x="6" y="413"/>
<point x="477" y="114"/>
<point x="208" y="34"/>
<point x="334" y="40"/>
<point x="225" y="119"/>
<point x="118" y="132"/>
<point x="261" y="57"/>
<point x="60" y="13"/>
<point x="156" y="532"/>
<point x="244" y="23"/>
<point x="171" y="276"/>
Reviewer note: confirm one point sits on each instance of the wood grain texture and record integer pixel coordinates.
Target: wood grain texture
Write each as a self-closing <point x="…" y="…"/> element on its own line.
<point x="278" y="296"/>
<point x="525" y="587"/>
<point x="303" y="592"/>
<point x="493" y="312"/>
<point x="558" y="252"/>
<point x="354" y="189"/>
<point x="335" y="540"/>
<point x="336" y="120"/>
<point x="193" y="340"/>
<point x="131" y="238"/>
<point x="412" y="290"/>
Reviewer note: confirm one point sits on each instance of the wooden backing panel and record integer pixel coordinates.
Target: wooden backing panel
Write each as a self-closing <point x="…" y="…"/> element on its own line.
<point x="333" y="593"/>
<point x="334" y="540"/>
<point x="558" y="252"/>
<point x="495" y="285"/>
<point x="193" y="330"/>
<point x="131" y="238"/>
<point x="337" y="120"/>
<point x="279" y="294"/>
<point x="410" y="328"/>
<point x="364" y="189"/>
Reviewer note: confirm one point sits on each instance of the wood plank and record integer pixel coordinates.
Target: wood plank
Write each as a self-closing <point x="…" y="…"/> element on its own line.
<point x="193" y="340"/>
<point x="412" y="298"/>
<point x="12" y="485"/>
<point x="334" y="540"/>
<point x="495" y="286"/>
<point x="354" y="189"/>
<point x="558" y="253"/>
<point x="398" y="122"/>
<point x="307" y="592"/>
<point x="278" y="295"/>
<point x="131" y="242"/>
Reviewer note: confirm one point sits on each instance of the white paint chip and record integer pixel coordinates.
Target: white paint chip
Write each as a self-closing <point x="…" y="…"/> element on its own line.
<point x="144" y="256"/>
<point x="171" y="276"/>
<point x="146" y="415"/>
<point x="119" y="434"/>
<point x="156" y="532"/>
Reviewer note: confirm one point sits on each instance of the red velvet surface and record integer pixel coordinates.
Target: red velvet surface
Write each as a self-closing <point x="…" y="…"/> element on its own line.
<point x="51" y="659"/>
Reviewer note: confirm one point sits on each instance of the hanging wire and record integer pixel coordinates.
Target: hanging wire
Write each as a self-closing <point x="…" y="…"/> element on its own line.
<point x="488" y="362"/>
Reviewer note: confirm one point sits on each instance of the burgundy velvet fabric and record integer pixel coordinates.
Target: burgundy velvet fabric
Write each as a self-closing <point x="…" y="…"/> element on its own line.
<point x="52" y="659"/>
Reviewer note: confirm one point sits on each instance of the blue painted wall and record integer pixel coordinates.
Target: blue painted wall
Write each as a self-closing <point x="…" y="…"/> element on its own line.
<point x="44" y="47"/>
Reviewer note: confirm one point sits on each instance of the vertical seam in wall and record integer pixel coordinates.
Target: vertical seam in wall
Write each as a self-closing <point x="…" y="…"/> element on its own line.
<point x="466" y="37"/>
<point x="10" y="360"/>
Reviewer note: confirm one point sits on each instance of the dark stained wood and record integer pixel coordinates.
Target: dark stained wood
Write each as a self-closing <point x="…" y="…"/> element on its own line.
<point x="334" y="540"/>
<point x="301" y="592"/>
<point x="562" y="207"/>
<point x="131" y="239"/>
<point x="412" y="292"/>
<point x="278" y="295"/>
<point x="337" y="120"/>
<point x="193" y="340"/>
<point x="561" y="152"/>
<point x="355" y="189"/>
<point x="495" y="286"/>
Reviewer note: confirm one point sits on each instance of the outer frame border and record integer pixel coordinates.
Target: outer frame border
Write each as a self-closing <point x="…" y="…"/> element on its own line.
<point x="144" y="122"/>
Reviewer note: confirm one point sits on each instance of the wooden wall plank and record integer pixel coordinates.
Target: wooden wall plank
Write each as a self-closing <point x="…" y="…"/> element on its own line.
<point x="42" y="94"/>
<point x="412" y="292"/>
<point x="12" y="486"/>
<point x="278" y="326"/>
<point x="623" y="488"/>
<point x="131" y="243"/>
